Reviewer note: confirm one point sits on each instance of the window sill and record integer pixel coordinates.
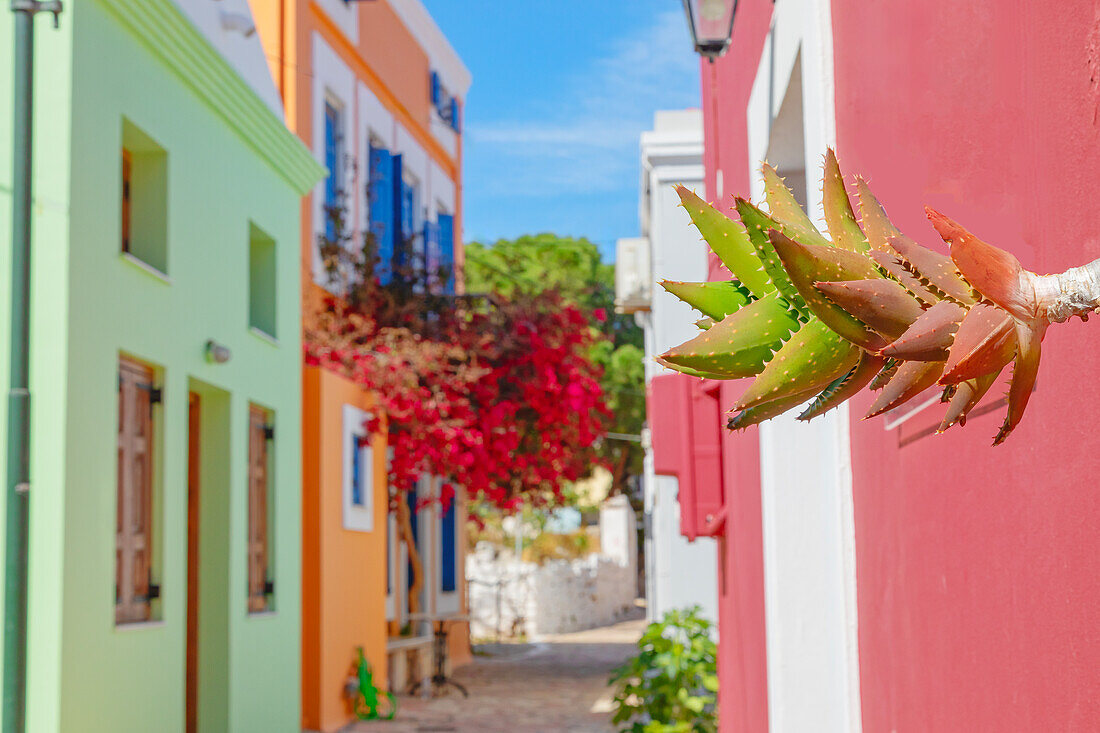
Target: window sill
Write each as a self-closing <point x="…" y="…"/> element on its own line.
<point x="140" y="625"/>
<point x="263" y="335"/>
<point x="145" y="267"/>
<point x="263" y="614"/>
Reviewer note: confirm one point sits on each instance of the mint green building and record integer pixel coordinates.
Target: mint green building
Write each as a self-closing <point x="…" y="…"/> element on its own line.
<point x="165" y="371"/>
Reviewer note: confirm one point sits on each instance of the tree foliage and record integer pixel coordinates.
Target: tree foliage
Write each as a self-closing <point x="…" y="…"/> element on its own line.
<point x="573" y="268"/>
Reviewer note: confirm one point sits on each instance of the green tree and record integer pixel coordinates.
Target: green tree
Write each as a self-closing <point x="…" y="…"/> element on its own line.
<point x="534" y="263"/>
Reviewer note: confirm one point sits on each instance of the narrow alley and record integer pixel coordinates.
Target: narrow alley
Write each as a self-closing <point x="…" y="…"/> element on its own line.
<point x="556" y="684"/>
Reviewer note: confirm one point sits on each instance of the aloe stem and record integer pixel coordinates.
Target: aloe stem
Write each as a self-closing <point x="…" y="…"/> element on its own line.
<point x="1075" y="292"/>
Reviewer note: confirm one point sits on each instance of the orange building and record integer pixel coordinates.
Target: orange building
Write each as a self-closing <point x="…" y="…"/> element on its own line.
<point x="376" y="92"/>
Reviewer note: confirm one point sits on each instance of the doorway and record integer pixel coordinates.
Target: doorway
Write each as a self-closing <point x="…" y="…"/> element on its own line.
<point x="194" y="428"/>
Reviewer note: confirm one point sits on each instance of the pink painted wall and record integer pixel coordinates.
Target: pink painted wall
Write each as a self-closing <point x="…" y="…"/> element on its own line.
<point x="742" y="661"/>
<point x="978" y="568"/>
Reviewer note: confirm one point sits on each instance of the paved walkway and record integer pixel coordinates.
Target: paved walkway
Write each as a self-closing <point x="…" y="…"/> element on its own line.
<point x="559" y="684"/>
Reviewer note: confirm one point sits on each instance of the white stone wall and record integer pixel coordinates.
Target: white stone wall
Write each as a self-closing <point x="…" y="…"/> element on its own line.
<point x="511" y="598"/>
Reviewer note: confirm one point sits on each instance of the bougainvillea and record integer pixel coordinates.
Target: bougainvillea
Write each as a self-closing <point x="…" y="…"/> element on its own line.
<point x="496" y="395"/>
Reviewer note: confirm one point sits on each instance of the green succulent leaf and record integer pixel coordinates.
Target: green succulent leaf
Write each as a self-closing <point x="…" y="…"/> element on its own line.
<point x="758" y="225"/>
<point x="716" y="299"/>
<point x="728" y="239"/>
<point x="839" y="216"/>
<point x="785" y="209"/>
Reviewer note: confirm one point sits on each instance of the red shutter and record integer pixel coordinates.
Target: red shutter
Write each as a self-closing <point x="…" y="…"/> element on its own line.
<point x="134" y="515"/>
<point x="257" y="510"/>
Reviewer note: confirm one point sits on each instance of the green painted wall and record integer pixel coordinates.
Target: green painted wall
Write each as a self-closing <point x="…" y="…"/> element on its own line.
<point x="90" y="304"/>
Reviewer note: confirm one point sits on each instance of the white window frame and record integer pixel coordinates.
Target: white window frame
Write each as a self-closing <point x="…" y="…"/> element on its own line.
<point x="358" y="518"/>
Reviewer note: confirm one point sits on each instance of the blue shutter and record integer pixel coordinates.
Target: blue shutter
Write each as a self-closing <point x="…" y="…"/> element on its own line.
<point x="356" y="471"/>
<point x="447" y="249"/>
<point x="447" y="574"/>
<point x="437" y="90"/>
<point x="432" y="260"/>
<point x="454" y="114"/>
<point x="398" y="213"/>
<point x="410" y="497"/>
<point x="332" y="156"/>
<point x="381" y="207"/>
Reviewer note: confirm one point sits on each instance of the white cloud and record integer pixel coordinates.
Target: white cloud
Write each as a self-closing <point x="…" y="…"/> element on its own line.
<point x="589" y="143"/>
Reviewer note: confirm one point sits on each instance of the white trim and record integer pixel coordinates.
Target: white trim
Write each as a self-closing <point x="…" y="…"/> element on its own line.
<point x="357" y="517"/>
<point x="806" y="469"/>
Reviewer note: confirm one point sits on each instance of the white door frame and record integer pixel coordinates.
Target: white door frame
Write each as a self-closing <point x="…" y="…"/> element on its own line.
<point x="806" y="476"/>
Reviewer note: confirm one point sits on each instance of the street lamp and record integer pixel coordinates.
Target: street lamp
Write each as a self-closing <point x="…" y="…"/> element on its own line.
<point x="711" y="24"/>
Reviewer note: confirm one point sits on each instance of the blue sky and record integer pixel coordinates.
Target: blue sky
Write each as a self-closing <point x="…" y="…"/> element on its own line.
<point x="562" y="89"/>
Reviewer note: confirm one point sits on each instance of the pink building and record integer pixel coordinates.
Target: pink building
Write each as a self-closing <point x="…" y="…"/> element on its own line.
<point x="874" y="576"/>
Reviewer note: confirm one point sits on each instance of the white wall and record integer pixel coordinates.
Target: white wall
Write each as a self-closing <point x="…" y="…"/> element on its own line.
<point x="678" y="573"/>
<point x="809" y="558"/>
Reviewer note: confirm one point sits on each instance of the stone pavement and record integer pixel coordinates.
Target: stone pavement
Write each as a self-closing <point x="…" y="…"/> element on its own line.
<point x="557" y="684"/>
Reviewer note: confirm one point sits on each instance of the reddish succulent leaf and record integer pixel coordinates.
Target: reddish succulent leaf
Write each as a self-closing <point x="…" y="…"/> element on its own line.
<point x="889" y="262"/>
<point x="812" y="358"/>
<point x="882" y="304"/>
<point x="965" y="399"/>
<point x="785" y="209"/>
<point x="930" y="335"/>
<point x="767" y="410"/>
<point x="937" y="269"/>
<point x="839" y="216"/>
<point x="912" y="378"/>
<point x="1029" y="340"/>
<point x="845" y="387"/>
<point x="876" y="225"/>
<point x="985" y="342"/>
<point x="994" y="273"/>
<point x="809" y="264"/>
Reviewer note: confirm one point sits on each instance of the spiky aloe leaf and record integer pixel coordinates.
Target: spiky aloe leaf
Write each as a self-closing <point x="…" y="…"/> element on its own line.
<point x="893" y="267"/>
<point x="813" y="357"/>
<point x="882" y="304"/>
<point x="716" y="299"/>
<point x="784" y="208"/>
<point x="930" y="336"/>
<point x="758" y="225"/>
<point x="1029" y="341"/>
<point x="839" y="216"/>
<point x="912" y="378"/>
<point x="740" y="344"/>
<point x="889" y="369"/>
<point x="767" y="410"/>
<point x="875" y="223"/>
<point x="990" y="270"/>
<point x="809" y="264"/>
<point x="965" y="399"/>
<point x="985" y="342"/>
<point x="728" y="239"/>
<point x="934" y="269"/>
<point x="687" y="370"/>
<point x="843" y="388"/>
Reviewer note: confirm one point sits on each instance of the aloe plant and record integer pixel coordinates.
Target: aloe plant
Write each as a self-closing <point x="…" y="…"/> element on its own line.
<point x="815" y="319"/>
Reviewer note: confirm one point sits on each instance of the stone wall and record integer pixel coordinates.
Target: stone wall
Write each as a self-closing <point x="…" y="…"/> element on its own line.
<point x="509" y="598"/>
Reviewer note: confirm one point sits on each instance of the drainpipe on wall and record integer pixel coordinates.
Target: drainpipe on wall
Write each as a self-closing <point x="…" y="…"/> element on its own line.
<point x="17" y="497"/>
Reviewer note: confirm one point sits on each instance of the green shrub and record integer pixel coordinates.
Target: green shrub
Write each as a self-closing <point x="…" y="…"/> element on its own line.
<point x="671" y="685"/>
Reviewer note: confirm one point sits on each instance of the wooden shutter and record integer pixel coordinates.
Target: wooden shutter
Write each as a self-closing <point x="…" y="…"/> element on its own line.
<point x="134" y="516"/>
<point x="257" y="510"/>
<point x="126" y="167"/>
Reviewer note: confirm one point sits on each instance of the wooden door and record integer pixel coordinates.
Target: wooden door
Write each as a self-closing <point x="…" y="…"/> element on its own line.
<point x="193" y="436"/>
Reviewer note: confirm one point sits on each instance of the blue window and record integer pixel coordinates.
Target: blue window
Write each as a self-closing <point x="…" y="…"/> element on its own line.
<point x="333" y="154"/>
<point x="437" y="90"/>
<point x="454" y="114"/>
<point x="432" y="260"/>
<point x="356" y="470"/>
<point x="447" y="574"/>
<point x="380" y="205"/>
<point x="446" y="224"/>
<point x="410" y="496"/>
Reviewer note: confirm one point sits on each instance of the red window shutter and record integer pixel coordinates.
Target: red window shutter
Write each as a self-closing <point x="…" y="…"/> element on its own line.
<point x="134" y="515"/>
<point x="257" y="510"/>
<point x="706" y="430"/>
